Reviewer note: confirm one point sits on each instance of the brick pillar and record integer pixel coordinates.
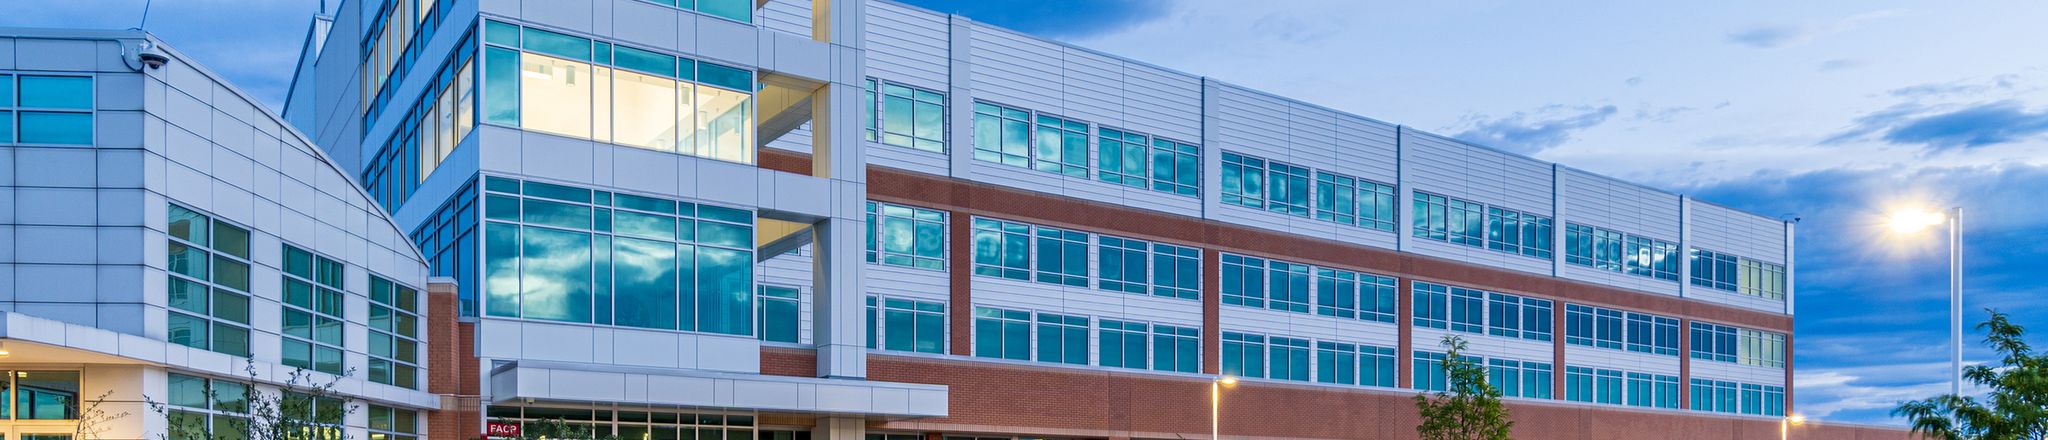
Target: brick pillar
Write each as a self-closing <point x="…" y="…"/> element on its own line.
<point x="960" y="277"/>
<point x="1557" y="382"/>
<point x="452" y="367"/>
<point x="1788" y="372"/>
<point x="1685" y="363"/>
<point x="1404" y="319"/>
<point x="1212" y="311"/>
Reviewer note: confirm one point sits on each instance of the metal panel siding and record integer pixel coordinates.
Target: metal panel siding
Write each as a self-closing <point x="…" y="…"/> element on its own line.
<point x="1738" y="373"/>
<point x="1583" y="356"/>
<point x="908" y="45"/>
<point x="1445" y="166"/>
<point x="1488" y="346"/>
<point x="897" y="281"/>
<point x="1608" y="203"/>
<point x="1248" y="122"/>
<point x="1721" y="229"/>
<point x="792" y="269"/>
<point x="1367" y="149"/>
<point x="792" y="16"/>
<point x="1307" y="326"/>
<point x="1014" y="69"/>
<point x="1092" y="88"/>
<point x="1162" y="103"/>
<point x="1311" y="136"/>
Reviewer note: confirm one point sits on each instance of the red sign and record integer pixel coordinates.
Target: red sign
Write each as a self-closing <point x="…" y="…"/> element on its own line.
<point x="497" y="429"/>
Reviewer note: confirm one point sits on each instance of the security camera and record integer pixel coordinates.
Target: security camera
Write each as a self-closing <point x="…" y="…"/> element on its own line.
<point x="150" y="56"/>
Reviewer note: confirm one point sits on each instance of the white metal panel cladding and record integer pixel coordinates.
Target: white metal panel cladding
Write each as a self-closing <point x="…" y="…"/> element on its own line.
<point x="792" y="270"/>
<point x="1367" y="149"/>
<point x="1606" y="202"/>
<point x="908" y="45"/>
<point x="1248" y="122"/>
<point x="1452" y="168"/>
<point x="1162" y="103"/>
<point x="1720" y="229"/>
<point x="792" y="16"/>
<point x="1311" y="135"/>
<point x="1092" y="87"/>
<point x="1015" y="69"/>
<point x="1737" y="372"/>
<point x="1583" y="356"/>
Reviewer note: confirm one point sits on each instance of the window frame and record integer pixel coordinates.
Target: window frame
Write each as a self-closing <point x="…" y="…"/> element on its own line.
<point x="13" y="112"/>
<point x="213" y="289"/>
<point x="875" y="120"/>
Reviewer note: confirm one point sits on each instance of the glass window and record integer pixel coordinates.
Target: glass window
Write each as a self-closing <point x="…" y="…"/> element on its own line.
<point x="1060" y="146"/>
<point x="1062" y="339"/>
<point x="501" y="85"/>
<point x="1121" y="263"/>
<point x="1289" y="357"/>
<point x="645" y="106"/>
<point x="313" y="315"/>
<point x="56" y="128"/>
<point x="725" y="122"/>
<point x="1003" y="334"/>
<point x="1448" y="219"/>
<point x="1336" y="363"/>
<point x="1432" y="305"/>
<point x="1288" y="192"/>
<point x="1002" y="249"/>
<point x="1376" y="301"/>
<point x="1176" y="349"/>
<point x="392" y="424"/>
<point x="1336" y="293"/>
<point x="1376" y="206"/>
<point x="1468" y="310"/>
<point x="43" y="395"/>
<point x="736" y="10"/>
<point x="1714" y="270"/>
<point x="1244" y="180"/>
<point x="1517" y="232"/>
<point x="907" y="236"/>
<point x="1123" y="344"/>
<point x="1289" y="283"/>
<point x="1244" y="280"/>
<point x="1376" y="366"/>
<point x="779" y="314"/>
<point x="1123" y="156"/>
<point x="208" y="283"/>
<point x="394" y="333"/>
<point x="1176" y="271"/>
<point x="1652" y="390"/>
<point x="868" y="103"/>
<point x="1335" y="198"/>
<point x="1760" y="348"/>
<point x="913" y="118"/>
<point x="1002" y="135"/>
<point x="1244" y="355"/>
<point x="1176" y="167"/>
<point x="1652" y="334"/>
<point x="56" y="92"/>
<point x="913" y="326"/>
<point x="1758" y="278"/>
<point x="1594" y="326"/>
<point x="1429" y="372"/>
<point x="555" y="93"/>
<point x="1062" y="256"/>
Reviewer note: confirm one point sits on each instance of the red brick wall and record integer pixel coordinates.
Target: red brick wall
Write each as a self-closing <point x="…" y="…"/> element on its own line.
<point x="453" y="371"/>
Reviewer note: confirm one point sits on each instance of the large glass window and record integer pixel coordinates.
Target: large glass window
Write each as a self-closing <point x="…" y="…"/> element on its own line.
<point x="1123" y="343"/>
<point x="1714" y="342"/>
<point x="564" y="253"/>
<point x="1004" y="334"/>
<point x="1062" y="256"/>
<point x="1593" y="326"/>
<point x="651" y="100"/>
<point x="1653" y="334"/>
<point x="1593" y="385"/>
<point x="1062" y="339"/>
<point x="1450" y="220"/>
<point x="1176" y="271"/>
<point x="1762" y="279"/>
<point x="912" y="117"/>
<point x="1714" y="270"/>
<point x="1615" y="251"/>
<point x="208" y="283"/>
<point x="736" y="10"/>
<point x="1652" y="390"/>
<point x="44" y="109"/>
<point x="906" y="236"/>
<point x="313" y="314"/>
<point x="1244" y="355"/>
<point x="1336" y="198"/>
<point x="1176" y="349"/>
<point x="1176" y="167"/>
<point x="1289" y="286"/>
<point x="388" y="423"/>
<point x="201" y="408"/>
<point x="1715" y="396"/>
<point x="1121" y="264"/>
<point x="1428" y="373"/>
<point x="1761" y="348"/>
<point x="1123" y="157"/>
<point x="1002" y="135"/>
<point x="1002" y="249"/>
<point x="633" y="423"/>
<point x="1517" y="232"/>
<point x="1289" y="357"/>
<point x="1519" y="378"/>
<point x="1244" y="280"/>
<point x="1519" y="317"/>
<point x="913" y="326"/>
<point x="1476" y="311"/>
<point x="1288" y="189"/>
<point x="1336" y="293"/>
<point x="394" y="333"/>
<point x="39" y="395"/>
<point x="780" y="306"/>
<point x="1244" y="180"/>
<point x="1060" y="146"/>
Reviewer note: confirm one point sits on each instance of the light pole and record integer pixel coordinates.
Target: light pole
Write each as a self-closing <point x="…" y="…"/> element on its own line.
<point x="1216" y="405"/>
<point x="1785" y="425"/>
<point x="1911" y="221"/>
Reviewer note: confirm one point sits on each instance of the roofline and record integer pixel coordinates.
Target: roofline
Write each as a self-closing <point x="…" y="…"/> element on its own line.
<point x="1212" y="80"/>
<point x="305" y="50"/>
<point x="137" y="34"/>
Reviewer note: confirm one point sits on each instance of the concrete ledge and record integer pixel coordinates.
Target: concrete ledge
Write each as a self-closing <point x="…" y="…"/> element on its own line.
<point x="570" y="382"/>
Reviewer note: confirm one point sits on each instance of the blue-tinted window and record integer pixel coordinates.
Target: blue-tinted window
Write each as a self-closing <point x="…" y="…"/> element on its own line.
<point x="1176" y="349"/>
<point x="1124" y="344"/>
<point x="1244" y="180"/>
<point x="1244" y="355"/>
<point x="1244" y="280"/>
<point x="1062" y="339"/>
<point x="56" y="92"/>
<point x="56" y="128"/>
<point x="1003" y="334"/>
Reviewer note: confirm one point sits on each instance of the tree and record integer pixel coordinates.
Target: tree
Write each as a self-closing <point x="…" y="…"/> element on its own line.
<point x="93" y="420"/>
<point x="1470" y="409"/>
<point x="2015" y="406"/>
<point x="300" y="409"/>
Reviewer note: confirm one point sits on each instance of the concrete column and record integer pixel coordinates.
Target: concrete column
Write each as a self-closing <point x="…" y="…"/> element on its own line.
<point x="840" y="428"/>
<point x="838" y="301"/>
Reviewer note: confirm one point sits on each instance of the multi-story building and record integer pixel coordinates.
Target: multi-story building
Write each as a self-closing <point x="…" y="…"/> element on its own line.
<point x="860" y="219"/>
<point x="165" y="238"/>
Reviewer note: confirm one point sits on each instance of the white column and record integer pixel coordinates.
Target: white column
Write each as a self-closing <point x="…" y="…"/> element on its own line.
<point x="960" y="97"/>
<point x="838" y="301"/>
<point x="840" y="428"/>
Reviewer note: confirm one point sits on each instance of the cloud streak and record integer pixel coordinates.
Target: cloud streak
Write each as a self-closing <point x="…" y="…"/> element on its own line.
<point x="1943" y="129"/>
<point x="1054" y="18"/>
<point x="1773" y="36"/>
<point x="1532" y="132"/>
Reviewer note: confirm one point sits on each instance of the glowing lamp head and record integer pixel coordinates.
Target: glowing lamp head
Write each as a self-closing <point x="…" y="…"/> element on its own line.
<point x="1227" y="380"/>
<point x="1796" y="419"/>
<point x="1914" y="220"/>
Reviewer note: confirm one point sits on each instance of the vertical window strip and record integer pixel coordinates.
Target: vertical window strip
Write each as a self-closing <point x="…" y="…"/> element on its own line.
<point x="1289" y="193"/>
<point x="208" y="278"/>
<point x="780" y="307"/>
<point x="1244" y="180"/>
<point x="313" y="324"/>
<point x="394" y="333"/>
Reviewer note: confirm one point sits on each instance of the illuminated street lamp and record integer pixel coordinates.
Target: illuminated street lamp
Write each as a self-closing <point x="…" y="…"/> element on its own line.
<point x="1785" y="425"/>
<point x="1911" y="221"/>
<point x="1216" y="404"/>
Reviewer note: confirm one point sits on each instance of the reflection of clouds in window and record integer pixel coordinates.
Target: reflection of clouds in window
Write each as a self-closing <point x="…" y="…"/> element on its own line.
<point x="555" y="281"/>
<point x="644" y="273"/>
<point x="723" y="120"/>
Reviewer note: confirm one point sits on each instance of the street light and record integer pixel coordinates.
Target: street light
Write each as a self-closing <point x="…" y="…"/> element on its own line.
<point x="1785" y="425"/>
<point x="1914" y="221"/>
<point x="1216" y="404"/>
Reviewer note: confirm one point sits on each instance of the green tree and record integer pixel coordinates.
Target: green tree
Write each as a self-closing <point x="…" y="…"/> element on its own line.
<point x="1470" y="409"/>
<point x="302" y="408"/>
<point x="2015" y="406"/>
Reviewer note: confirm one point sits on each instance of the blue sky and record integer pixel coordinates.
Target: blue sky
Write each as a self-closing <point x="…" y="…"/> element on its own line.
<point x="1834" y="111"/>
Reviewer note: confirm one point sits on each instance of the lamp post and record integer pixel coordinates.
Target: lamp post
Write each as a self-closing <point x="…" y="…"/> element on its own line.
<point x="1216" y="405"/>
<point x="1785" y="425"/>
<point x="1911" y="221"/>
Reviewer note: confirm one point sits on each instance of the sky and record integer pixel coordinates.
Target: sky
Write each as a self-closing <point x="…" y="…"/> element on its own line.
<point x="1835" y="112"/>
